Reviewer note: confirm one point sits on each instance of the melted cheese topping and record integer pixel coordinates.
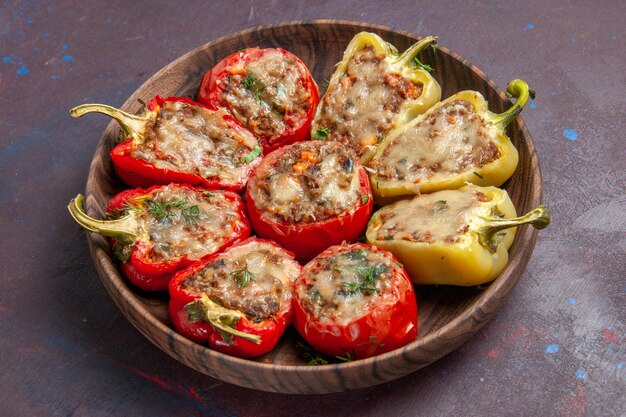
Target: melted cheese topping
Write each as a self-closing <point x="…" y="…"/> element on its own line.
<point x="254" y="278"/>
<point x="361" y="107"/>
<point x="311" y="181"/>
<point x="187" y="223"/>
<point x="196" y="140"/>
<point x="441" y="217"/>
<point x="450" y="140"/>
<point x="268" y="95"/>
<point x="347" y="285"/>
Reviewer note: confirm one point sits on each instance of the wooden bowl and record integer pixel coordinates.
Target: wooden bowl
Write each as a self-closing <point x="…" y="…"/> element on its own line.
<point x="448" y="316"/>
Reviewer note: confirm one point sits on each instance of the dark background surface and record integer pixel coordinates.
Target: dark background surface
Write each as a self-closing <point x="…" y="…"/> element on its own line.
<point x="557" y="347"/>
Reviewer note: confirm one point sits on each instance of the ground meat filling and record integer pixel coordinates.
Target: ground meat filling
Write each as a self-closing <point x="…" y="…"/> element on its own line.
<point x="441" y="217"/>
<point x="268" y="95"/>
<point x="361" y="107"/>
<point x="184" y="222"/>
<point x="254" y="279"/>
<point x="346" y="285"/>
<point x="450" y="140"/>
<point x="311" y="181"/>
<point x="196" y="140"/>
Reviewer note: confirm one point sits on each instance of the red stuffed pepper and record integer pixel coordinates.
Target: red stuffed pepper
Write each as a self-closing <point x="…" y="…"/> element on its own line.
<point x="309" y="196"/>
<point x="270" y="91"/>
<point x="163" y="229"/>
<point x="239" y="301"/>
<point x="177" y="140"/>
<point x="355" y="301"/>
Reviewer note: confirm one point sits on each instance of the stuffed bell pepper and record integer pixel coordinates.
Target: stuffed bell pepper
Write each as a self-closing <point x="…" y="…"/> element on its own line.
<point x="270" y="91"/>
<point x="163" y="229"/>
<point x="452" y="237"/>
<point x="177" y="140"/>
<point x="373" y="90"/>
<point x="309" y="196"/>
<point x="355" y="301"/>
<point x="238" y="301"/>
<point x="456" y="141"/>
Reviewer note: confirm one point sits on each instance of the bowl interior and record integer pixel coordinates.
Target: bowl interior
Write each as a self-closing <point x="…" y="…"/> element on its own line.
<point x="447" y="315"/>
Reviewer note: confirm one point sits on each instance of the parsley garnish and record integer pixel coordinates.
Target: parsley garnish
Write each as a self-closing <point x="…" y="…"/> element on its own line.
<point x="322" y="133"/>
<point x="208" y="193"/>
<point x="421" y="64"/>
<point x="256" y="151"/>
<point x="478" y="175"/>
<point x="348" y="358"/>
<point x="243" y="277"/>
<point x="364" y="199"/>
<point x="441" y="202"/>
<point x="249" y="81"/>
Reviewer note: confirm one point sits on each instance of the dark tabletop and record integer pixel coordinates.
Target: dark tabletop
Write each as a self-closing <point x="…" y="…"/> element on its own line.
<point x="557" y="347"/>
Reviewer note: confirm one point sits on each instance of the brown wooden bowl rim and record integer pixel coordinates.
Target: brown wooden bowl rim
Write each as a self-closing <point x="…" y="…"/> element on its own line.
<point x="479" y="312"/>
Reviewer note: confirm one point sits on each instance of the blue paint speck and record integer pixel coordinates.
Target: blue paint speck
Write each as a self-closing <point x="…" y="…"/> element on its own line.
<point x="532" y="105"/>
<point x="570" y="134"/>
<point x="573" y="39"/>
<point x="614" y="37"/>
<point x="65" y="46"/>
<point x="619" y="365"/>
<point x="54" y="77"/>
<point x="45" y="34"/>
<point x="529" y="26"/>
<point x="572" y="300"/>
<point x="19" y="33"/>
<point x="68" y="58"/>
<point x="581" y="374"/>
<point x="553" y="348"/>
<point x="22" y="71"/>
<point x="29" y="21"/>
<point x="6" y="60"/>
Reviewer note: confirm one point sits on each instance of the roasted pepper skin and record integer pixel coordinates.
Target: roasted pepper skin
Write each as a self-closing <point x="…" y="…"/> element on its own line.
<point x="140" y="269"/>
<point x="470" y="261"/>
<point x="391" y="324"/>
<point x="269" y="331"/>
<point x="306" y="240"/>
<point x="402" y="64"/>
<point x="494" y="173"/>
<point x="210" y="93"/>
<point x="139" y="173"/>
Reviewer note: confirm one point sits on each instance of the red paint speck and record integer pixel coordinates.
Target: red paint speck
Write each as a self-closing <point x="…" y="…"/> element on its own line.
<point x="496" y="352"/>
<point x="611" y="337"/>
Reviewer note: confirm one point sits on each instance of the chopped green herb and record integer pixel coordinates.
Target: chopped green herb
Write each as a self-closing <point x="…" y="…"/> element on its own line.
<point x="316" y="361"/>
<point x="422" y="65"/>
<point x="208" y="193"/>
<point x="369" y="275"/>
<point x="243" y="277"/>
<point x="163" y="211"/>
<point x="190" y="214"/>
<point x="273" y="317"/>
<point x="249" y="81"/>
<point x="256" y="151"/>
<point x="312" y="356"/>
<point x="364" y="199"/>
<point x="478" y="175"/>
<point x="322" y="133"/>
<point x="441" y="202"/>
<point x="257" y="93"/>
<point x="348" y="358"/>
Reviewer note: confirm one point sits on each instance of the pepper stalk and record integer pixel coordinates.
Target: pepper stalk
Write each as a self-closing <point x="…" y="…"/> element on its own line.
<point x="489" y="234"/>
<point x="132" y="125"/>
<point x="223" y="319"/>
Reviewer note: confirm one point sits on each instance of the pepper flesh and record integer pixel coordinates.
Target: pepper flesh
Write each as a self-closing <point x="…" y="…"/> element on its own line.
<point x="271" y="97"/>
<point x="475" y="252"/>
<point x="198" y="316"/>
<point x="387" y="321"/>
<point x="191" y="157"/>
<point x="456" y="141"/>
<point x="399" y="70"/>
<point x="308" y="238"/>
<point x="133" y="235"/>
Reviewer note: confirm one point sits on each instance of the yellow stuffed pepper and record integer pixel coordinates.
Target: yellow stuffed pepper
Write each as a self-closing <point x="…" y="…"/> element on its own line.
<point x="452" y="237"/>
<point x="456" y="141"/>
<point x="373" y="90"/>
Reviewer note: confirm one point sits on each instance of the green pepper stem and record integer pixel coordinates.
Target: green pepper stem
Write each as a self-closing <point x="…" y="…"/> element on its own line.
<point x="132" y="125"/>
<point x="489" y="236"/>
<point x="407" y="56"/>
<point x="127" y="228"/>
<point x="221" y="318"/>
<point x="518" y="89"/>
